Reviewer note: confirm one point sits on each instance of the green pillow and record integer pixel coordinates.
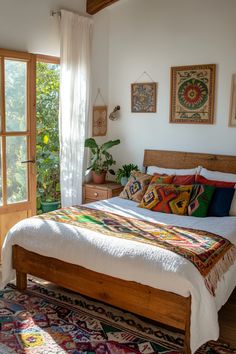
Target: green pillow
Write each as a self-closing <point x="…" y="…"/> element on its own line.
<point x="200" y="200"/>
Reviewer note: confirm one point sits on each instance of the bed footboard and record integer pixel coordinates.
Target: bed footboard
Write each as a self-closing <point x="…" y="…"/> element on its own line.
<point x="162" y="306"/>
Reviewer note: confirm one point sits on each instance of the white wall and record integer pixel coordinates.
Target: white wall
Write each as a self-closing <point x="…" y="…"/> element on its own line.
<point x="154" y="35"/>
<point x="136" y="35"/>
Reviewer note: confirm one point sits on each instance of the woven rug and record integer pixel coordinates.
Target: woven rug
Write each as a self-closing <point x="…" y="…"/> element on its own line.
<point x="49" y="320"/>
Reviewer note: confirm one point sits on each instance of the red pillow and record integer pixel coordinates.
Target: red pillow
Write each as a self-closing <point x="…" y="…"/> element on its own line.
<point x="184" y="180"/>
<point x="209" y="182"/>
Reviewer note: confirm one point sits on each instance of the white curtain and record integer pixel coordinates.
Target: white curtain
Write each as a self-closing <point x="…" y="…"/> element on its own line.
<point x="76" y="38"/>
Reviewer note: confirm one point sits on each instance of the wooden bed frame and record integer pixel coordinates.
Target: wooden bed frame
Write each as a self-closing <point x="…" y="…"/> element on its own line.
<point x="162" y="306"/>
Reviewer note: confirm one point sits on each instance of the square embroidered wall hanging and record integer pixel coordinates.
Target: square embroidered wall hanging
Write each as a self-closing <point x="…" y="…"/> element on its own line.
<point x="143" y="97"/>
<point x="99" y="120"/>
<point x="192" y="94"/>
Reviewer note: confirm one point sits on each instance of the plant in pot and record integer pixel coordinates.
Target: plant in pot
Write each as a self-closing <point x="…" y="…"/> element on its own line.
<point x="101" y="159"/>
<point x="123" y="173"/>
<point x="48" y="193"/>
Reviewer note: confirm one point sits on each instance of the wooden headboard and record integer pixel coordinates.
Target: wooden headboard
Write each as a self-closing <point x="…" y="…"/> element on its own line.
<point x="178" y="159"/>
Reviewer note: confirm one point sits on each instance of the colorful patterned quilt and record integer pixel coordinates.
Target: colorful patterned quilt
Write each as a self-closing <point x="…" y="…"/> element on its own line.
<point x="211" y="254"/>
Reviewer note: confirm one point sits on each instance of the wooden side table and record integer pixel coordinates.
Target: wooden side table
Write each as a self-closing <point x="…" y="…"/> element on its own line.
<point x="93" y="192"/>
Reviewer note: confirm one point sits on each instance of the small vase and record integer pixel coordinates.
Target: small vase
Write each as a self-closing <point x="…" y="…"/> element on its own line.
<point x="123" y="181"/>
<point x="99" y="179"/>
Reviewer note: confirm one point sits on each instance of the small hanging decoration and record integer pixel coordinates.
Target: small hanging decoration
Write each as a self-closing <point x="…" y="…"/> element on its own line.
<point x="99" y="117"/>
<point x="143" y="96"/>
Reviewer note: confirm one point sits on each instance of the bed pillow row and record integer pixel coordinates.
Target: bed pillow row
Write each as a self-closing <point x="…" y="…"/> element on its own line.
<point x="195" y="200"/>
<point x="174" y="194"/>
<point x="201" y="171"/>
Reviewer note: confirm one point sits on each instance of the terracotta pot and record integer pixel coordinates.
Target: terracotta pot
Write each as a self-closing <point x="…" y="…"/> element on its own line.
<point x="99" y="179"/>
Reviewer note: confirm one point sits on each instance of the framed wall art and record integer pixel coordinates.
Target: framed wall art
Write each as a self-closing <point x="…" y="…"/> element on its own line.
<point x="99" y="120"/>
<point x="143" y="97"/>
<point x="232" y="115"/>
<point x="192" y="94"/>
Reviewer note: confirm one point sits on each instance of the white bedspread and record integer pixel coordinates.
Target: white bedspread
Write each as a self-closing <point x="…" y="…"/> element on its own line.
<point x="130" y="260"/>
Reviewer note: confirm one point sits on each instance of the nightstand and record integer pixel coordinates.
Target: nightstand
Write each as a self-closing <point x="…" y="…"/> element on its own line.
<point x="93" y="192"/>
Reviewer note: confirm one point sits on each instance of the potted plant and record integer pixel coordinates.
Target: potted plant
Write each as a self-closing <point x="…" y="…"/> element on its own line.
<point x="101" y="159"/>
<point x="123" y="173"/>
<point x="48" y="181"/>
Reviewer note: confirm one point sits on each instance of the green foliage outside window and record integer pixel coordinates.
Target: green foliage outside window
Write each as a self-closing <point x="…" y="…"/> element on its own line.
<point x="16" y="146"/>
<point x="47" y="143"/>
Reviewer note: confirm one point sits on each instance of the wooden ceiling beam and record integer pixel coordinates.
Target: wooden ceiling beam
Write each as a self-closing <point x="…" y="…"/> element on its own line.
<point x="94" y="6"/>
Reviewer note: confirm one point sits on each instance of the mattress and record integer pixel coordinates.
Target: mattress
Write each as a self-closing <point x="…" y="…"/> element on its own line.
<point x="131" y="260"/>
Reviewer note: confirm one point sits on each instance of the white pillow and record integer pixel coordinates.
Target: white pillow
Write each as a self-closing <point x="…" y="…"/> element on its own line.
<point x="169" y="171"/>
<point x="232" y="211"/>
<point x="218" y="176"/>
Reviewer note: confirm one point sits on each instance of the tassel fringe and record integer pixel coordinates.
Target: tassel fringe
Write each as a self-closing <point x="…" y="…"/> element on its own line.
<point x="219" y="269"/>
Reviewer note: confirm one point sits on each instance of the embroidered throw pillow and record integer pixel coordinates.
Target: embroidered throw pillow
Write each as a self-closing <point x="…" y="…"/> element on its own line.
<point x="167" y="198"/>
<point x="136" y="186"/>
<point x="221" y="202"/>
<point x="200" y="200"/>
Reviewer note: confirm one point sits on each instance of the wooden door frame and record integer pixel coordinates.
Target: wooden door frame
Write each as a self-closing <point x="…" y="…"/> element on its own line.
<point x="47" y="59"/>
<point x="30" y="132"/>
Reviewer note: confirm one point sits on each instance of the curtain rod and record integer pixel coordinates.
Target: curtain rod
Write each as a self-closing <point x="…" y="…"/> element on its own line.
<point x="58" y="13"/>
<point x="55" y="13"/>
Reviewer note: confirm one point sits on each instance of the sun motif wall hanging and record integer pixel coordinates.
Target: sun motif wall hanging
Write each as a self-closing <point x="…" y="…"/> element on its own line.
<point x="99" y="124"/>
<point x="192" y="94"/>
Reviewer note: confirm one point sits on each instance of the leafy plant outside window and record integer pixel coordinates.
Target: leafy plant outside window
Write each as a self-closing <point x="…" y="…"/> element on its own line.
<point x="47" y="140"/>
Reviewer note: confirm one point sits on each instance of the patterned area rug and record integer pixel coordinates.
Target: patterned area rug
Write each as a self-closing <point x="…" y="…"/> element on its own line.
<point x="49" y="320"/>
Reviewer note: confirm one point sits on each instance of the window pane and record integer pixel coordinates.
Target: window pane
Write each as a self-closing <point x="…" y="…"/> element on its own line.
<point x="17" y="184"/>
<point x="15" y="95"/>
<point x="0" y="171"/>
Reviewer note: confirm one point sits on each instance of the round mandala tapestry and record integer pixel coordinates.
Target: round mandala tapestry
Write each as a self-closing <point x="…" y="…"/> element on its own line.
<point x="193" y="94"/>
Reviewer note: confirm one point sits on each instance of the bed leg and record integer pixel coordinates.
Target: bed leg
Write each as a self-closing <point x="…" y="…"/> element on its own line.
<point x="21" y="280"/>
<point x="187" y="349"/>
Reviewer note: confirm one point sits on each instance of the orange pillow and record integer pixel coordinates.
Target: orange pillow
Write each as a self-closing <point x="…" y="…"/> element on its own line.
<point x="162" y="179"/>
<point x="167" y="198"/>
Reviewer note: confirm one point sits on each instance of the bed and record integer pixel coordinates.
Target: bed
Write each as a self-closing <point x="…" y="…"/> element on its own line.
<point x="116" y="279"/>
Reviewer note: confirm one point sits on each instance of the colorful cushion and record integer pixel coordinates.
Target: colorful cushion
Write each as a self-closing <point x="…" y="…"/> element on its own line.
<point x="184" y="180"/>
<point x="167" y="198"/>
<point x="162" y="179"/>
<point x="221" y="184"/>
<point x="221" y="202"/>
<point x="136" y="186"/>
<point x="201" y="197"/>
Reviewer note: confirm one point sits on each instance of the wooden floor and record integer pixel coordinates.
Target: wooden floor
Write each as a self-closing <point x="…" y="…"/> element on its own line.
<point x="227" y="319"/>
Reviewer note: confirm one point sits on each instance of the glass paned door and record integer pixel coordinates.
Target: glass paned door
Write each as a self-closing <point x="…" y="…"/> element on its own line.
<point x="15" y="95"/>
<point x="17" y="176"/>
<point x="17" y="138"/>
